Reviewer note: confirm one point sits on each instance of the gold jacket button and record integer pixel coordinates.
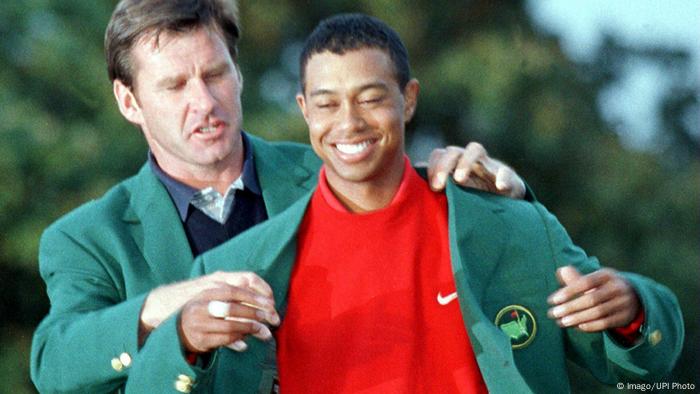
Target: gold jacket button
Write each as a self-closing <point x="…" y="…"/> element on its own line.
<point x="655" y="337"/>
<point x="125" y="358"/>
<point x="184" y="378"/>
<point x="184" y="383"/>
<point x="117" y="365"/>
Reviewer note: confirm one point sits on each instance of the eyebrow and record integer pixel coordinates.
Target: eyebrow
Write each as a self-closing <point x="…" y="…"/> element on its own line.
<point x="167" y="81"/>
<point x="218" y="68"/>
<point x="372" y="85"/>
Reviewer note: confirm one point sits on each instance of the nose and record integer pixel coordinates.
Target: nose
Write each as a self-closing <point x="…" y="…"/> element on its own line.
<point x="201" y="97"/>
<point x="351" y="118"/>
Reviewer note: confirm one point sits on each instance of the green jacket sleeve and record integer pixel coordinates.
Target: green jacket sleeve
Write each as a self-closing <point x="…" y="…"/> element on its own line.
<point x="160" y="366"/>
<point x="662" y="335"/>
<point x="87" y="341"/>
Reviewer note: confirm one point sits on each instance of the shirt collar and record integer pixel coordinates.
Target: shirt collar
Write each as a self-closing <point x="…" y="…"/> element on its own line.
<point x="182" y="194"/>
<point x="334" y="202"/>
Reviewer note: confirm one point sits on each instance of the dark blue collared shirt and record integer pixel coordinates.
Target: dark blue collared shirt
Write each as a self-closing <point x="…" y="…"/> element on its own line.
<point x="202" y="231"/>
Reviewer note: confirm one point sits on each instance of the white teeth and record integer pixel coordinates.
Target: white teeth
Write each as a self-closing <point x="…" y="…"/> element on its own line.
<point x="351" y="149"/>
<point x="207" y="129"/>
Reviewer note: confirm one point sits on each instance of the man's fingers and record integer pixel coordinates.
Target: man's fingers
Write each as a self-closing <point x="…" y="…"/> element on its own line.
<point x="244" y="279"/>
<point x="239" y="346"/>
<point x="611" y="314"/>
<point x="476" y="166"/>
<point x="235" y="310"/>
<point x="567" y="275"/>
<point x="598" y="301"/>
<point x="472" y="167"/>
<point x="471" y="158"/>
<point x="590" y="306"/>
<point x="259" y="285"/>
<point x="196" y="316"/>
<point x="504" y="179"/>
<point x="575" y="284"/>
<point x="614" y="320"/>
<point x="228" y="293"/>
<point x="432" y="161"/>
<point x="442" y="162"/>
<point x="257" y="329"/>
<point x="228" y="301"/>
<point x="201" y="332"/>
<point x="507" y="181"/>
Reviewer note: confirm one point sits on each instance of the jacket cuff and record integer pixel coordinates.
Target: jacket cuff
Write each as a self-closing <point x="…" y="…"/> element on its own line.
<point x="630" y="334"/>
<point x="162" y="367"/>
<point x="661" y="336"/>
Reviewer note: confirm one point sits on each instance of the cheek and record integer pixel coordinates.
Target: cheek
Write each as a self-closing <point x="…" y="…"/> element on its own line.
<point x="228" y="94"/>
<point x="315" y="136"/>
<point x="392" y="123"/>
<point x="166" y="105"/>
<point x="316" y="145"/>
<point x="317" y="128"/>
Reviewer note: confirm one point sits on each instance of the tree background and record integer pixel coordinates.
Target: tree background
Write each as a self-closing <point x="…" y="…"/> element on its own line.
<point x="487" y="74"/>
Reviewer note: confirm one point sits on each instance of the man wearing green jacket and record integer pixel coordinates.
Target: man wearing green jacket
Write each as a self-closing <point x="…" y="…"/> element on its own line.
<point x="116" y="268"/>
<point x="385" y="287"/>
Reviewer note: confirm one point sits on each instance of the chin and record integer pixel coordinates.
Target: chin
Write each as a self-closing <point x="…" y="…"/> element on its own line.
<point x="357" y="175"/>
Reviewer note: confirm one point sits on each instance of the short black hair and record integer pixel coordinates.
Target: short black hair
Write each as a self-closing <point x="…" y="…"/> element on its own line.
<point x="347" y="32"/>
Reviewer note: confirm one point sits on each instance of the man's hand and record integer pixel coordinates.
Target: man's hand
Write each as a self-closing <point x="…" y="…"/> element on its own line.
<point x="472" y="167"/>
<point x="163" y="301"/>
<point x="598" y="301"/>
<point x="223" y="316"/>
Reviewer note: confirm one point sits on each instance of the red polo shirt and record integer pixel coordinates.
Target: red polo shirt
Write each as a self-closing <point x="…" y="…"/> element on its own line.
<point x="363" y="312"/>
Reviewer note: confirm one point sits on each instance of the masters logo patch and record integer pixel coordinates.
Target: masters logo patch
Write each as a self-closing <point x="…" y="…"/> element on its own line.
<point x="518" y="323"/>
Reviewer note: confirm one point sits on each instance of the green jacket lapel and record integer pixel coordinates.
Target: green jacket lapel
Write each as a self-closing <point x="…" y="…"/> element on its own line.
<point x="156" y="226"/>
<point x="474" y="255"/>
<point x="282" y="180"/>
<point x="274" y="256"/>
<point x="157" y="229"/>
<point x="269" y="250"/>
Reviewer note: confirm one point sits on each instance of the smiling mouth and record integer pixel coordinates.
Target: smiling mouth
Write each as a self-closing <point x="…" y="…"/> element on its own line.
<point x="353" y="149"/>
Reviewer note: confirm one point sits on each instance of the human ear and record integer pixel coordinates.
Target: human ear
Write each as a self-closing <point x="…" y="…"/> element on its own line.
<point x="410" y="95"/>
<point x="240" y="76"/>
<point x="301" y="102"/>
<point x="126" y="100"/>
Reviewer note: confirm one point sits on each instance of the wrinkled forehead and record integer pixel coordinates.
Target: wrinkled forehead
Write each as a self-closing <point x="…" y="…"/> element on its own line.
<point x="164" y="54"/>
<point x="156" y="39"/>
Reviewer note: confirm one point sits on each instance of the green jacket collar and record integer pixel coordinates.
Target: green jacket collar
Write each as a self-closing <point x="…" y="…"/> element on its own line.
<point x="155" y="223"/>
<point x="283" y="181"/>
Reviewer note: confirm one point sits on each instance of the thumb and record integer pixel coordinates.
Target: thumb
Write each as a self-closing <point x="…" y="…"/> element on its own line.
<point x="567" y="275"/>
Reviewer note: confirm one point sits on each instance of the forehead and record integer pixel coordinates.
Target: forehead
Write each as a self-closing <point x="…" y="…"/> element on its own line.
<point x="170" y="49"/>
<point x="358" y="66"/>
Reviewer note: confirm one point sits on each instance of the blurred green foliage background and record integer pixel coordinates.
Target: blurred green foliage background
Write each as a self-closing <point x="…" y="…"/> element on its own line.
<point x="487" y="74"/>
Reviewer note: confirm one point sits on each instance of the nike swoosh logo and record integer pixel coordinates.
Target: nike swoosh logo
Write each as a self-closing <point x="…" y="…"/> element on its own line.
<point x="447" y="299"/>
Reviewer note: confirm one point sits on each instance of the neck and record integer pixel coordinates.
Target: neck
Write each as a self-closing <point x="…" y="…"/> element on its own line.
<point x="220" y="178"/>
<point x="369" y="195"/>
<point x="219" y="175"/>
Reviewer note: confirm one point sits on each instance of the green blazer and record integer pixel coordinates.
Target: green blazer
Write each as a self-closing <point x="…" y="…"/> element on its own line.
<point x="101" y="260"/>
<point x="504" y="252"/>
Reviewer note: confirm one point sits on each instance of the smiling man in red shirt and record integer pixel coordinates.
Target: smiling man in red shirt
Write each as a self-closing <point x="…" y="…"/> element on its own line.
<point x="386" y="287"/>
<point x="373" y="246"/>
